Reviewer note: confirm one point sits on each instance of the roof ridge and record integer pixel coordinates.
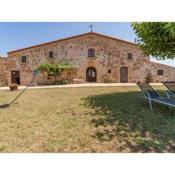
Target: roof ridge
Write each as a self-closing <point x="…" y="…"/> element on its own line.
<point x="71" y="37"/>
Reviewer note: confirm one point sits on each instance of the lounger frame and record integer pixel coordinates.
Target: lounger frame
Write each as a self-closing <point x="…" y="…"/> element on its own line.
<point x="169" y="93"/>
<point x="147" y="96"/>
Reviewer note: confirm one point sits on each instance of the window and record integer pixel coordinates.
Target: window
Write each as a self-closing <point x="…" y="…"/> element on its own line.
<point x="24" y="59"/>
<point x="50" y="54"/>
<point x="159" y="72"/>
<point x="109" y="71"/>
<point x="91" y="53"/>
<point x="50" y="74"/>
<point x="129" y="55"/>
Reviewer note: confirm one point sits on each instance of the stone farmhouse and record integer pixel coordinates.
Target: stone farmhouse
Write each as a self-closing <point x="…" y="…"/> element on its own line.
<point x="3" y="73"/>
<point x="94" y="56"/>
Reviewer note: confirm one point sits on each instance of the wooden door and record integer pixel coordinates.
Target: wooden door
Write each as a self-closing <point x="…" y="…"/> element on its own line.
<point x="123" y="74"/>
<point x="91" y="74"/>
<point x="15" y="77"/>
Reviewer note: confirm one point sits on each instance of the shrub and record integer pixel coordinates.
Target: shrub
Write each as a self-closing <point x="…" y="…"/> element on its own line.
<point x="108" y="79"/>
<point x="13" y="87"/>
<point x="63" y="82"/>
<point x="148" y="77"/>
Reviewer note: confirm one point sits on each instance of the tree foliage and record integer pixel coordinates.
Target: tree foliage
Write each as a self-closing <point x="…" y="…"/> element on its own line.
<point x="156" y="38"/>
<point x="54" y="69"/>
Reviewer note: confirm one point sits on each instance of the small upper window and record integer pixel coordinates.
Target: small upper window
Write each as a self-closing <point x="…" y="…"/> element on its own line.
<point x="129" y="55"/>
<point x="159" y="72"/>
<point x="109" y="71"/>
<point x="24" y="59"/>
<point x="91" y="53"/>
<point x="50" y="54"/>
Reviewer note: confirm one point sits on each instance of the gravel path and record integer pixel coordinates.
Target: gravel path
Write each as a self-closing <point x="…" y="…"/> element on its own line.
<point x="79" y="85"/>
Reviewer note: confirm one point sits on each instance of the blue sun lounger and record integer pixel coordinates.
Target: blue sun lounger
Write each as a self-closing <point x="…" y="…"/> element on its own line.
<point x="171" y="89"/>
<point x="152" y="96"/>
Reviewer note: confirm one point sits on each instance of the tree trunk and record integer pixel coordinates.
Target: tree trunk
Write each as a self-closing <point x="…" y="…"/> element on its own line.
<point x="55" y="78"/>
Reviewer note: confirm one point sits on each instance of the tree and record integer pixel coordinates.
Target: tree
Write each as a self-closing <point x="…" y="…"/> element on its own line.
<point x="51" y="69"/>
<point x="44" y="67"/>
<point x="54" y="69"/>
<point x="148" y="77"/>
<point x="156" y="38"/>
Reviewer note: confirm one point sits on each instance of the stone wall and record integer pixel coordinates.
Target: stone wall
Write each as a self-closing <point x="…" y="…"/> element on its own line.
<point x="3" y="75"/>
<point x="145" y="67"/>
<point x="109" y="54"/>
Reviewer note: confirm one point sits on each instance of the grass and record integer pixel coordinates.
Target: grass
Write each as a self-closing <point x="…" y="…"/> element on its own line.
<point x="86" y="119"/>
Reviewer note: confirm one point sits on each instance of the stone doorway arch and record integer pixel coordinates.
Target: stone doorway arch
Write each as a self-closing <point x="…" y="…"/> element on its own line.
<point x="91" y="74"/>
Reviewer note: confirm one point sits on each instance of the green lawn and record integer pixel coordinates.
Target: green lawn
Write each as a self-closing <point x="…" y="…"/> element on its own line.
<point x="91" y="119"/>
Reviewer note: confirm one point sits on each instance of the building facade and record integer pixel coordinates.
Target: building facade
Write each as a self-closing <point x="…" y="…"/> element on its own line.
<point x="3" y="72"/>
<point x="95" y="57"/>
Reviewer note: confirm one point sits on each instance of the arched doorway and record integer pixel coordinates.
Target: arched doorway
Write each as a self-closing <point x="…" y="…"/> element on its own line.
<point x="123" y="74"/>
<point x="91" y="74"/>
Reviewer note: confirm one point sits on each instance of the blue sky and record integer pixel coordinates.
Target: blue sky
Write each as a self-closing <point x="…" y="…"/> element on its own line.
<point x="18" y="35"/>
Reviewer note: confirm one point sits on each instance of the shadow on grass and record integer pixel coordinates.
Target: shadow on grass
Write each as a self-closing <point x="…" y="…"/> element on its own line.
<point x="126" y="121"/>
